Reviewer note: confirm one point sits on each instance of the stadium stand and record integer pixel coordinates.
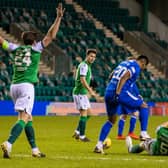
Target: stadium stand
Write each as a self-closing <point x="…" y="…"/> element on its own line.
<point x="77" y="33"/>
<point x="156" y="38"/>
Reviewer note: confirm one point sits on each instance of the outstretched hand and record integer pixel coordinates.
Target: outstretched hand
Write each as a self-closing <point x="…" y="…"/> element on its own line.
<point x="60" y="10"/>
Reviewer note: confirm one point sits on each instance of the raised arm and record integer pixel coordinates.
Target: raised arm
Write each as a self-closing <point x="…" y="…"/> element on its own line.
<point x="1" y="40"/>
<point x="51" y="34"/>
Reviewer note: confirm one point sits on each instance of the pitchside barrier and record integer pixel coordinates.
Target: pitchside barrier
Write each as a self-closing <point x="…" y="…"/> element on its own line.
<point x="42" y="108"/>
<point x="160" y="108"/>
<point x="7" y="108"/>
<point x="59" y="108"/>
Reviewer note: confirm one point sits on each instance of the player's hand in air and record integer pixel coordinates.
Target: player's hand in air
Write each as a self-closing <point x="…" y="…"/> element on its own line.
<point x="60" y="10"/>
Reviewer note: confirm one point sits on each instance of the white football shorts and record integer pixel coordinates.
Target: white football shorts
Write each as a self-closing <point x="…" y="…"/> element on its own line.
<point x="81" y="102"/>
<point x="23" y="96"/>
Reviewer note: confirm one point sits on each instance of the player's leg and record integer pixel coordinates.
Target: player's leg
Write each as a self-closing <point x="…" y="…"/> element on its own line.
<point x="77" y="131"/>
<point x="103" y="135"/>
<point x="133" y="120"/>
<point x="143" y="118"/>
<point x="133" y="102"/>
<point x="29" y="130"/>
<point x="84" y="138"/>
<point x="77" y="104"/>
<point x="133" y="148"/>
<point x="15" y="132"/>
<point x="30" y="134"/>
<point x="112" y="116"/>
<point x="150" y="145"/>
<point x="22" y="119"/>
<point x="121" y="124"/>
<point x="83" y="105"/>
<point x="82" y="125"/>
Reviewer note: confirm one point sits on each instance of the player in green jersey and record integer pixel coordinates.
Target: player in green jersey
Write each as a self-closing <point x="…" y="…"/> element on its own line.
<point x="25" y="66"/>
<point x="158" y="146"/>
<point x="80" y="91"/>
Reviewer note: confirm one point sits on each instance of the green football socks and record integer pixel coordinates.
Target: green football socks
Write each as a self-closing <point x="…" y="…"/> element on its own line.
<point x="78" y="128"/>
<point x="88" y="117"/>
<point x="136" y="149"/>
<point x="16" y="131"/>
<point x="29" y="130"/>
<point x="82" y="125"/>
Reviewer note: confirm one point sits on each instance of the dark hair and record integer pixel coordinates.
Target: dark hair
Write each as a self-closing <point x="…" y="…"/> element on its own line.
<point x="91" y="50"/>
<point x="143" y="57"/>
<point x="29" y="37"/>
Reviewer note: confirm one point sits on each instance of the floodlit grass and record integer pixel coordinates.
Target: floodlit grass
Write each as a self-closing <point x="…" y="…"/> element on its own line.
<point x="54" y="138"/>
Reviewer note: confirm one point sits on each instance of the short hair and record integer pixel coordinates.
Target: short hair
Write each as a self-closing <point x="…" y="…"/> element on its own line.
<point x="131" y="58"/>
<point x="143" y="57"/>
<point x="91" y="50"/>
<point x="29" y="37"/>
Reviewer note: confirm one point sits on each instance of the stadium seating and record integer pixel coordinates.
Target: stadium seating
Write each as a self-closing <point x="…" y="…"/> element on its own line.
<point x="111" y="14"/>
<point x="156" y="38"/>
<point x="76" y="34"/>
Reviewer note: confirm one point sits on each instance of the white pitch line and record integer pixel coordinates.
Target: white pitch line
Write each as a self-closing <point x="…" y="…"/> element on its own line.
<point x="92" y="158"/>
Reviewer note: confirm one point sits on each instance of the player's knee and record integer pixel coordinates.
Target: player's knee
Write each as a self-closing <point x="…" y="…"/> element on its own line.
<point x="124" y="117"/>
<point x="24" y="116"/>
<point x="112" y="119"/>
<point x="136" y="114"/>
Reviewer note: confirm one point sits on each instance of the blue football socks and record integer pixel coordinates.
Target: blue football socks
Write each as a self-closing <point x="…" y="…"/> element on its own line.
<point x="132" y="123"/>
<point x="143" y="117"/>
<point x="121" y="124"/>
<point x="105" y="131"/>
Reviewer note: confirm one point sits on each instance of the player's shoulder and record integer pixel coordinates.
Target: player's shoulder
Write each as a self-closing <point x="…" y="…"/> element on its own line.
<point x="127" y="63"/>
<point x="161" y="128"/>
<point x="38" y="46"/>
<point x="83" y="64"/>
<point x="12" y="46"/>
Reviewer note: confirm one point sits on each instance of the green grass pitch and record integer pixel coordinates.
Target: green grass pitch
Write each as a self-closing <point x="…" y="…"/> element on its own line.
<point x="54" y="138"/>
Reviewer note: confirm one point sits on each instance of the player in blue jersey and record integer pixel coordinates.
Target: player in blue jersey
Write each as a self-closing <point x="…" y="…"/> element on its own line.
<point x="118" y="93"/>
<point x="133" y="118"/>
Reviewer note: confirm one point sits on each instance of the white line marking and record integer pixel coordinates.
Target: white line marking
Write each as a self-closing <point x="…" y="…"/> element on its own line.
<point x="94" y="158"/>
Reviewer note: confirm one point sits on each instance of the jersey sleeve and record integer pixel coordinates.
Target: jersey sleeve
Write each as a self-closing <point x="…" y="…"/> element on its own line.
<point x="132" y="71"/>
<point x="8" y="46"/>
<point x="38" y="46"/>
<point x="83" y="69"/>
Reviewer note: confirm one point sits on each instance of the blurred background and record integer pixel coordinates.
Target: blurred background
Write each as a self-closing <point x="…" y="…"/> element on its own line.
<point x="116" y="28"/>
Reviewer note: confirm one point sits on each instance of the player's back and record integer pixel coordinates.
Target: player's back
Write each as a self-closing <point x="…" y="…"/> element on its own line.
<point x="120" y="70"/>
<point x="25" y="64"/>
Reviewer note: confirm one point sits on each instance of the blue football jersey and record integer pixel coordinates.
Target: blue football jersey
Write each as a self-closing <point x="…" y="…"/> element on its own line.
<point x="131" y="66"/>
<point x="134" y="89"/>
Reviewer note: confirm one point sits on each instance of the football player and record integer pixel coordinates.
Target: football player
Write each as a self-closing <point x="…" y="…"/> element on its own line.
<point x="158" y="146"/>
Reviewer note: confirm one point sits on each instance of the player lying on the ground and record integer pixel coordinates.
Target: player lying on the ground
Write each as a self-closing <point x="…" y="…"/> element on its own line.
<point x="158" y="146"/>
